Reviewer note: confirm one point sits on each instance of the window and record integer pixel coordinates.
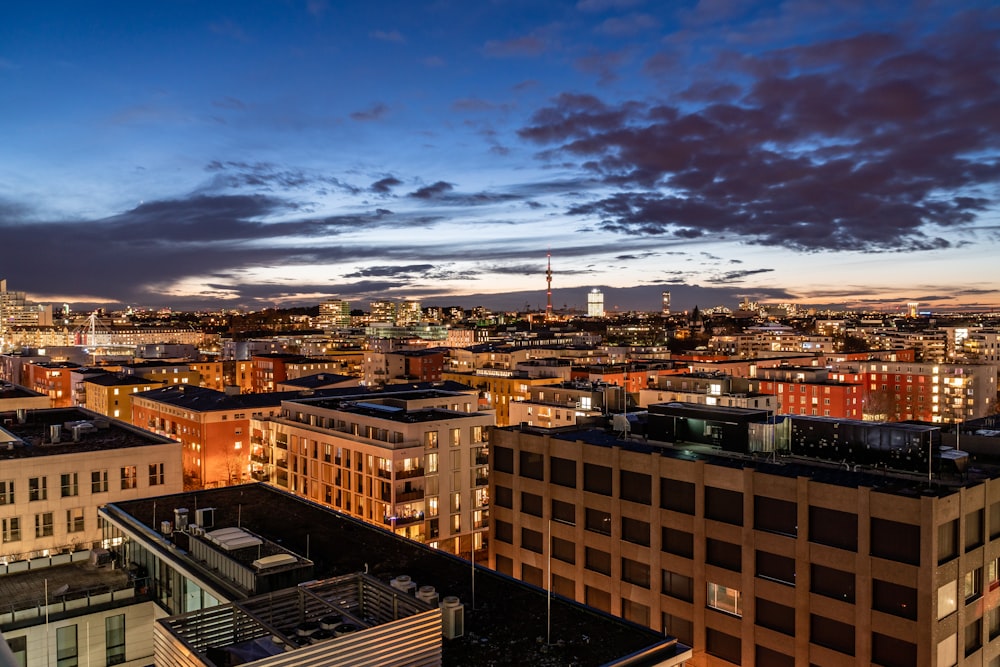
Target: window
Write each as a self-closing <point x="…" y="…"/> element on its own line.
<point x="564" y="550"/>
<point x="947" y="599"/>
<point x="833" y="583"/>
<point x="531" y="504"/>
<point x="895" y="541"/>
<point x="503" y="459"/>
<point x="833" y="528"/>
<point x="831" y="634"/>
<point x="724" y="599"/>
<point x="455" y="437"/>
<point x="635" y="487"/>
<point x="563" y="471"/>
<point x="947" y="651"/>
<point x="68" y="484"/>
<point x="597" y="479"/>
<point x="66" y="646"/>
<point x="676" y="495"/>
<point x="531" y="540"/>
<point x="724" y="505"/>
<point x="678" y="542"/>
<point x="973" y="585"/>
<point x="532" y="465"/>
<point x="12" y="529"/>
<point x="723" y="645"/>
<point x="635" y="531"/>
<point x="635" y="572"/>
<point x="504" y="531"/>
<point x="38" y="488"/>
<point x="893" y="652"/>
<point x="7" y="492"/>
<point x="680" y="627"/>
<point x="598" y="521"/>
<point x="772" y="658"/>
<point x="597" y="598"/>
<point x="973" y="636"/>
<point x="155" y="474"/>
<point x="563" y="512"/>
<point x="74" y="520"/>
<point x="99" y="481"/>
<point x="724" y="554"/>
<point x="597" y="560"/>
<point x="775" y="516"/>
<point x="894" y="599"/>
<point x="777" y="617"/>
<point x="431" y="440"/>
<point x="677" y="585"/>
<point x="973" y="530"/>
<point x="128" y="477"/>
<point x="532" y="575"/>
<point x="947" y="541"/>
<point x="503" y="497"/>
<point x="43" y="525"/>
<point x="19" y="647"/>
<point x="776" y="568"/>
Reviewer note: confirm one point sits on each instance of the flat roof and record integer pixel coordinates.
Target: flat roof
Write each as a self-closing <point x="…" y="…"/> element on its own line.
<point x="501" y="625"/>
<point x="26" y="589"/>
<point x="34" y="435"/>
<point x="17" y="391"/>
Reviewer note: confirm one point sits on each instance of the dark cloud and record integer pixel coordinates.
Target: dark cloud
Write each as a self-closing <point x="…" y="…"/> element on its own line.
<point x="527" y="46"/>
<point x="628" y="25"/>
<point x="736" y="276"/>
<point x="872" y="143"/>
<point x="376" y="111"/>
<point x="407" y="271"/>
<point x="269" y="177"/>
<point x="385" y="185"/>
<point x="432" y="191"/>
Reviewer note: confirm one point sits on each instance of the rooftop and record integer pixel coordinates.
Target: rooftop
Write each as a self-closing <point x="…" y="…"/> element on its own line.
<point x="115" y="380"/>
<point x="505" y="620"/>
<point x="16" y="391"/>
<point x="33" y="436"/>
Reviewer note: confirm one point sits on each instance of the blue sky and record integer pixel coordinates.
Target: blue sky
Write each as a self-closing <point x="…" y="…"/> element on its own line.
<point x="250" y="154"/>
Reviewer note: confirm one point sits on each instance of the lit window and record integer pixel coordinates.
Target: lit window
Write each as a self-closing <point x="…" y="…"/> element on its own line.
<point x="724" y="599"/>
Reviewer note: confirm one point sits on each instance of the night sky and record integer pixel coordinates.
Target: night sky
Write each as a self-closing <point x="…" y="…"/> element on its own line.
<point x="257" y="154"/>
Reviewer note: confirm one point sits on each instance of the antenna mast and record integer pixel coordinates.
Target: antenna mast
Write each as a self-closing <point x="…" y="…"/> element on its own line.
<point x="548" y="279"/>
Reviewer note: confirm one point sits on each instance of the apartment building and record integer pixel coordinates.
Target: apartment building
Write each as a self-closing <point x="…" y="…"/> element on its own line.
<point x="500" y="388"/>
<point x="808" y="390"/>
<point x="755" y="560"/>
<point x="110" y="394"/>
<point x="166" y="372"/>
<point x="414" y="461"/>
<point x="58" y="465"/>
<point x="51" y="378"/>
<point x="566" y="403"/>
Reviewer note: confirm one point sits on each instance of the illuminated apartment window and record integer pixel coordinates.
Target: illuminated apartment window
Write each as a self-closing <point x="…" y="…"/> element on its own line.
<point x="38" y="488"/>
<point x="724" y="599"/>
<point x="128" y="477"/>
<point x="7" y="492"/>
<point x="99" y="481"/>
<point x="12" y="529"/>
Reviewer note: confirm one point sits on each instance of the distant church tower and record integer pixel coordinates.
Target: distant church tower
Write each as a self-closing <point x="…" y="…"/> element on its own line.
<point x="548" y="279"/>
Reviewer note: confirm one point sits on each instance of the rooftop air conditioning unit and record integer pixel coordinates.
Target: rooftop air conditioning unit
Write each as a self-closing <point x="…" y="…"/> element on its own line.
<point x="452" y="617"/>
<point x="180" y="518"/>
<point x="404" y="583"/>
<point x="428" y="594"/>
<point x="205" y="517"/>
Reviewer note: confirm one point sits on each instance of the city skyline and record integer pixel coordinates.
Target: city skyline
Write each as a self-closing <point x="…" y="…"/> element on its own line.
<point x="282" y="154"/>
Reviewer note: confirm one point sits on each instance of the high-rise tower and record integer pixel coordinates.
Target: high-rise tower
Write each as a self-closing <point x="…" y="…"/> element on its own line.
<point x="548" y="279"/>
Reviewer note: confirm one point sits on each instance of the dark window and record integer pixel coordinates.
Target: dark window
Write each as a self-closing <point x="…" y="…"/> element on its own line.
<point x="947" y="541"/>
<point x="597" y="598"/>
<point x="114" y="639"/>
<point x="563" y="550"/>
<point x="563" y="471"/>
<point x="775" y="616"/>
<point x="532" y="465"/>
<point x="724" y="505"/>
<point x="635" y="612"/>
<point x="531" y="540"/>
<point x="531" y="504"/>
<point x="833" y="528"/>
<point x="532" y="575"/>
<point x="724" y="646"/>
<point x="995" y="521"/>
<point x="505" y="565"/>
<point x="776" y="568"/>
<point x="677" y="542"/>
<point x="772" y="658"/>
<point x="597" y="479"/>
<point x="775" y="516"/>
<point x="635" y="531"/>
<point x="635" y="572"/>
<point x="597" y="560"/>
<point x="893" y="652"/>
<point x="831" y="634"/>
<point x="676" y="495"/>
<point x="832" y="583"/>
<point x="679" y="627"/>
<point x="67" y="649"/>
<point x="19" y="647"/>
<point x="503" y="497"/>
<point x="973" y="530"/>
<point x="504" y="531"/>
<point x="503" y="459"/>
<point x="973" y="637"/>
<point x="563" y="586"/>
<point x="678" y="586"/>
<point x="724" y="554"/>
<point x="564" y="512"/>
<point x="894" y="599"/>
<point x="636" y="486"/>
<point x="598" y="521"/>
<point x="895" y="541"/>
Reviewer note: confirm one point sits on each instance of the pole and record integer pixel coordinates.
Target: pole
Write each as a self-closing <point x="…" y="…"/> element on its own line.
<point x="47" y="645"/>
<point x="548" y="595"/>
<point x="472" y="560"/>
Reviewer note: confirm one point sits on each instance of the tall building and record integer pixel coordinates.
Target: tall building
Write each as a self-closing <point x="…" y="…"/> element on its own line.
<point x="595" y="303"/>
<point x="382" y="311"/>
<point x="334" y="314"/>
<point x="760" y="560"/>
<point x="408" y="313"/>
<point x="666" y="304"/>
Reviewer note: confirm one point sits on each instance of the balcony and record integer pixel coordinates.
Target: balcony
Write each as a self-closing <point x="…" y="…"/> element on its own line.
<point x="384" y="474"/>
<point x="282" y="463"/>
<point x="482" y="459"/>
<point x="259" y="458"/>
<point x="408" y="474"/>
<point x="409" y="496"/>
<point x="397" y="521"/>
<point x="482" y="480"/>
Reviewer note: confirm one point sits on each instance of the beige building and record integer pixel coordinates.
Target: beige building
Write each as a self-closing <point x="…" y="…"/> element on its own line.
<point x="780" y="564"/>
<point x="57" y="466"/>
<point x="413" y="461"/>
